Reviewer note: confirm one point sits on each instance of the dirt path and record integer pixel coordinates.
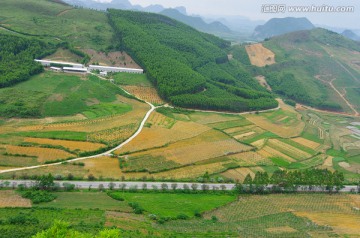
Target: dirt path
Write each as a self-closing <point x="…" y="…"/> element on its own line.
<point x="356" y="113"/>
<point x="64" y="12"/>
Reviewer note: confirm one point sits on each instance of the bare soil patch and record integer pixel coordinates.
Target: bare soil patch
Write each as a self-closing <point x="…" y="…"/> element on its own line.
<point x="262" y="81"/>
<point x="116" y="59"/>
<point x="259" y="55"/>
<point x="281" y="229"/>
<point x="12" y="199"/>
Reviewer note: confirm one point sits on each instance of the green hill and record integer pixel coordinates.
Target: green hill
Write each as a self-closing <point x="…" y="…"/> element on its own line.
<point x="309" y="63"/>
<point x="279" y="26"/>
<point x="189" y="68"/>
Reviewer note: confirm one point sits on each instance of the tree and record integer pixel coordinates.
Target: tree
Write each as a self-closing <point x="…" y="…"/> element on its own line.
<point x="111" y="186"/>
<point x="239" y="188"/>
<point x="68" y="186"/>
<point x="122" y="186"/>
<point x="174" y="186"/>
<point x="45" y="182"/>
<point x="194" y="186"/>
<point x="164" y="187"/>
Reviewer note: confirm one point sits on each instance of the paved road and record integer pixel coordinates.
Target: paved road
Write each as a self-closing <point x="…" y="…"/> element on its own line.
<point x="149" y="185"/>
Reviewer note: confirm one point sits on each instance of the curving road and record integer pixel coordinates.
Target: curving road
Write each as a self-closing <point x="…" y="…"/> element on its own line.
<point x="107" y="153"/>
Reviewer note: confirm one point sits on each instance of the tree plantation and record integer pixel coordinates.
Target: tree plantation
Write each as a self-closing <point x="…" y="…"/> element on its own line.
<point x="17" y="56"/>
<point x="189" y="68"/>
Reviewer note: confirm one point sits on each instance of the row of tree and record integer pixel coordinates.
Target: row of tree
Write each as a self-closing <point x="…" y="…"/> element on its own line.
<point x="292" y="181"/>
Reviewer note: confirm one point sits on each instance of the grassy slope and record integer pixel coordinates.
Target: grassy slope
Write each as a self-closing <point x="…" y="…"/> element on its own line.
<point x="55" y="22"/>
<point x="50" y="94"/>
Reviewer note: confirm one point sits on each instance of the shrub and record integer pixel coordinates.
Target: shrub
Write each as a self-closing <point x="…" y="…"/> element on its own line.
<point x="68" y="186"/>
<point x="22" y="219"/>
<point x="91" y="177"/>
<point x="115" y="196"/>
<point x="197" y="214"/>
<point x="38" y="196"/>
<point x="153" y="217"/>
<point x="182" y="217"/>
<point x="137" y="208"/>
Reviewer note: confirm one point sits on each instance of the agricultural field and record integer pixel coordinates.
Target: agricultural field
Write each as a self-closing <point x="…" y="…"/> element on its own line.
<point x="259" y="55"/>
<point x="148" y="94"/>
<point x="285" y="122"/>
<point x="227" y="146"/>
<point x="9" y="198"/>
<point x="138" y="85"/>
<point x="101" y="116"/>
<point x="188" y="215"/>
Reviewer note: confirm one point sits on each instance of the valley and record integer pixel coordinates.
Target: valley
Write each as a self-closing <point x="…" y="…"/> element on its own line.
<point x="209" y="138"/>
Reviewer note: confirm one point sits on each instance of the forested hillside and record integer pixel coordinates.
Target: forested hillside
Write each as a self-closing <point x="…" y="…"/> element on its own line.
<point x="189" y="68"/>
<point x="309" y="65"/>
<point x="17" y="56"/>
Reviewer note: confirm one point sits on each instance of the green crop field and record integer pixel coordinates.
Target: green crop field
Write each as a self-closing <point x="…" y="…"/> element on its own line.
<point x="86" y="200"/>
<point x="172" y="205"/>
<point x="62" y="135"/>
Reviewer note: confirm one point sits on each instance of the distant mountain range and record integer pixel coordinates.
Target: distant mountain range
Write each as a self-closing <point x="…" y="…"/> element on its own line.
<point x="280" y="26"/>
<point x="196" y="22"/>
<point x="351" y="35"/>
<point x="177" y="13"/>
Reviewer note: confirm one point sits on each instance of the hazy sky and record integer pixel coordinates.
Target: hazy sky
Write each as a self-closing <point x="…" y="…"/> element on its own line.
<point x="252" y="9"/>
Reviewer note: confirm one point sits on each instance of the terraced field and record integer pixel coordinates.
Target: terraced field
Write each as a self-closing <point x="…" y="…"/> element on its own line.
<point x="177" y="144"/>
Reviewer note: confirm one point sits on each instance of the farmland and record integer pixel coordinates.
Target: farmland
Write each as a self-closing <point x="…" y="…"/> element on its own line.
<point x="96" y="120"/>
<point x="164" y="214"/>
<point x="227" y="146"/>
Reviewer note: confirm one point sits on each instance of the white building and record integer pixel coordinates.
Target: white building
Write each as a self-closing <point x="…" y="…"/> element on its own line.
<point x="56" y="69"/>
<point x="75" y="70"/>
<point x="48" y="63"/>
<point x="103" y="73"/>
<point x="115" y="69"/>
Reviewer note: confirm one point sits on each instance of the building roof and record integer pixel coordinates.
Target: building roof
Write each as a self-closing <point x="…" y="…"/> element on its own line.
<point x="110" y="67"/>
<point x="75" y="69"/>
<point x="59" y="62"/>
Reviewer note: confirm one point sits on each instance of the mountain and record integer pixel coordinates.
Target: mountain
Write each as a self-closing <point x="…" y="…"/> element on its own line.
<point x="237" y="23"/>
<point x="177" y="13"/>
<point x="196" y="22"/>
<point x="189" y="68"/>
<point x="318" y="67"/>
<point x="118" y="4"/>
<point x="351" y="35"/>
<point x="279" y="26"/>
